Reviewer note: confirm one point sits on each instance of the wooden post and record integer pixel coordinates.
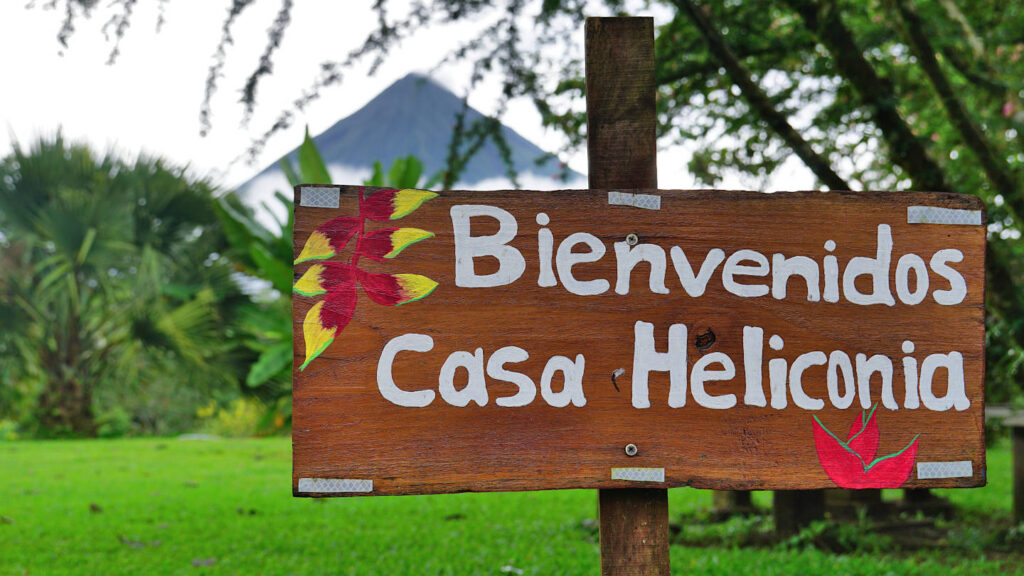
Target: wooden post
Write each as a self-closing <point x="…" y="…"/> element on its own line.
<point x="1016" y="426"/>
<point x="728" y="503"/>
<point x="794" y="509"/>
<point x="622" y="153"/>
<point x="850" y="504"/>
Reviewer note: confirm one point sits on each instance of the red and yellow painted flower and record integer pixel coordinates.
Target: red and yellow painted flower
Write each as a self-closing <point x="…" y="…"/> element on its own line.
<point x="324" y="277"/>
<point x="386" y="205"/>
<point x="329" y="238"/>
<point x="852" y="463"/>
<point x="395" y="289"/>
<point x="326" y="319"/>
<point x="387" y="243"/>
<point x="339" y="280"/>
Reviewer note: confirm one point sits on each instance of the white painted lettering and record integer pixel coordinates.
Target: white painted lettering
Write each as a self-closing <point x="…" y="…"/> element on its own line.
<point x="957" y="286"/>
<point x="956" y="395"/>
<point x="646" y="360"/>
<point x="783" y="268"/>
<point x="468" y="248"/>
<point x="796" y="371"/>
<point x="572" y="374"/>
<point x="733" y="268"/>
<point x="695" y="285"/>
<point x="703" y="373"/>
<point x="877" y="268"/>
<point x="386" y="380"/>
<point x="627" y="257"/>
<point x="566" y="259"/>
<point x="866" y="367"/>
<point x="496" y="369"/>
<point x="476" y="386"/>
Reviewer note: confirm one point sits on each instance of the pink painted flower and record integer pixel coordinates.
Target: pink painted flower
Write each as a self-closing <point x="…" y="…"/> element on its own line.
<point x="852" y="463"/>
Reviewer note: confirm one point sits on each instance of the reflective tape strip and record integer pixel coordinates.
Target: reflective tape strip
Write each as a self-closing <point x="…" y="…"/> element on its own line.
<point x="334" y="485"/>
<point x="929" y="470"/>
<point x="936" y="215"/>
<point x="645" y="201"/>
<point x="639" y="474"/>
<point x="320" y="197"/>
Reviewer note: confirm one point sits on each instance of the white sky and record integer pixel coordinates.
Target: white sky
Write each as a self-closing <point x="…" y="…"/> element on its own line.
<point x="149" y="100"/>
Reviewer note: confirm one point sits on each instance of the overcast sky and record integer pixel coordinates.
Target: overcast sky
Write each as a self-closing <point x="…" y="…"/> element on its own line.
<point x="149" y="100"/>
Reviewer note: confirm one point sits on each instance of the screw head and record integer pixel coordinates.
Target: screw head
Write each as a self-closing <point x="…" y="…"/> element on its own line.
<point x="631" y="450"/>
<point x="632" y="239"/>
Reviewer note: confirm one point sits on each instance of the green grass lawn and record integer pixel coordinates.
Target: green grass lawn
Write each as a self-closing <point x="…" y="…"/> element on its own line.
<point x="169" y="506"/>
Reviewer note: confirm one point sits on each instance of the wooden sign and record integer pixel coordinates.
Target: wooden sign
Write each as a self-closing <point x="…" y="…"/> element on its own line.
<point x="517" y="340"/>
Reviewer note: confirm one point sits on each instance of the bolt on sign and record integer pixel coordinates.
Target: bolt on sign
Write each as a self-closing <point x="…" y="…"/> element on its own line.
<point x="515" y="340"/>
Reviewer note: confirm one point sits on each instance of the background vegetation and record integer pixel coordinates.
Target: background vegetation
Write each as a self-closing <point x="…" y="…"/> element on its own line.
<point x="868" y="94"/>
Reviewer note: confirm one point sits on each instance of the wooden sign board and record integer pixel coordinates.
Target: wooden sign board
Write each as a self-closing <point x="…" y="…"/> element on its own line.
<point x="518" y="340"/>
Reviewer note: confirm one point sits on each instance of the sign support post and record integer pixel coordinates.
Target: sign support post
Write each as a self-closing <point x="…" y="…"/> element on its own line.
<point x="622" y="153"/>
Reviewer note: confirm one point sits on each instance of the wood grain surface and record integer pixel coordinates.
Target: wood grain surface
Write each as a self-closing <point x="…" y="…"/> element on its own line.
<point x="345" y="429"/>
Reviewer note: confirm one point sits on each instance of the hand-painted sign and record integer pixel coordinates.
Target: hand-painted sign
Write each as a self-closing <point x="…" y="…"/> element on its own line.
<point x="517" y="340"/>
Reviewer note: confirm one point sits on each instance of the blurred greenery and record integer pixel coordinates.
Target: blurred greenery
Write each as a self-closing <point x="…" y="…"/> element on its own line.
<point x="117" y="305"/>
<point x="123" y="310"/>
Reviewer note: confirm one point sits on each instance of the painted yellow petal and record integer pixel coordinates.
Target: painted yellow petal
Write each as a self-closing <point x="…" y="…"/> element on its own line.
<point x="408" y="200"/>
<point x="403" y="237"/>
<point x="316" y="336"/>
<point x="414" y="287"/>
<point x="309" y="284"/>
<point x="317" y="247"/>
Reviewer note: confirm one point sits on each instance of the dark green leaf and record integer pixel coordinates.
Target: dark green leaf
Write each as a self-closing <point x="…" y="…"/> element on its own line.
<point x="272" y="363"/>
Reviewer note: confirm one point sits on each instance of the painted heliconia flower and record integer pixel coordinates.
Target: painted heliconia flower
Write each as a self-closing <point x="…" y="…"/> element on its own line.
<point x="326" y="319"/>
<point x="852" y="463"/>
<point x="395" y="289"/>
<point x="324" y="277"/>
<point x="338" y="280"/>
<point x="386" y="205"/>
<point x="863" y="436"/>
<point x="328" y="239"/>
<point x="389" y="242"/>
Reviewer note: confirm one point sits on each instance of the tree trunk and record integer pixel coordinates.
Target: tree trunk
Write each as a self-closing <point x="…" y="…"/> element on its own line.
<point x="65" y="408"/>
<point x="851" y="504"/>
<point x="730" y="503"/>
<point x="795" y="509"/>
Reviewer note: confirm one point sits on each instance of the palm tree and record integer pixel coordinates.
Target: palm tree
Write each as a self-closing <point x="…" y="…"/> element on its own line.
<point x="118" y="278"/>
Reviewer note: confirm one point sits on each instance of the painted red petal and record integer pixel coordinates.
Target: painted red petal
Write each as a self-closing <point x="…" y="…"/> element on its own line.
<point x="338" y="307"/>
<point x="841" y="464"/>
<point x="336" y="276"/>
<point x="379" y="207"/>
<point x="894" y="470"/>
<point x="383" y="289"/>
<point x="376" y="244"/>
<point x="863" y="439"/>
<point x="339" y="231"/>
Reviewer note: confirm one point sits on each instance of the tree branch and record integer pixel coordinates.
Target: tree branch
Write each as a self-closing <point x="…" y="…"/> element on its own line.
<point x="759" y="100"/>
<point x="266" y="66"/>
<point x="996" y="170"/>
<point x="877" y="95"/>
<point x="969" y="72"/>
<point x="973" y="40"/>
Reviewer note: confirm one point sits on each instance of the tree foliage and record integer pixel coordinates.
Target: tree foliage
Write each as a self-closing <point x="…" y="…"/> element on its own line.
<point x="880" y="94"/>
<point x="113" y="286"/>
